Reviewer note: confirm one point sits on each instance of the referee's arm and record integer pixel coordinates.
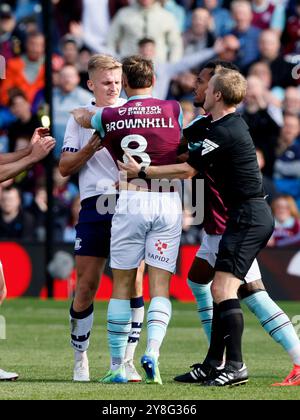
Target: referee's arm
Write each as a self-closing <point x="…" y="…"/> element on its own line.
<point x="178" y="171"/>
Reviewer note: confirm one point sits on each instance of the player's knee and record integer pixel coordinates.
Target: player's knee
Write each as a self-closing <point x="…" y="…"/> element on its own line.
<point x="85" y="293"/>
<point x="217" y="292"/>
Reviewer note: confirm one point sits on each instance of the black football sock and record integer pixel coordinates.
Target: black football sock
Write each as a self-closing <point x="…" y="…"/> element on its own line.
<point x="232" y="327"/>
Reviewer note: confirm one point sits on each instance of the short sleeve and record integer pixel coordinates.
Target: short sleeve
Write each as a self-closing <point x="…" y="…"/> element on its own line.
<point x="71" y="139"/>
<point x="96" y="122"/>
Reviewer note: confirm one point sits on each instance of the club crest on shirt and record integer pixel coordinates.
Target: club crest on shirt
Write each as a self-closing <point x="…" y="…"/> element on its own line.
<point x="77" y="245"/>
<point x="122" y="111"/>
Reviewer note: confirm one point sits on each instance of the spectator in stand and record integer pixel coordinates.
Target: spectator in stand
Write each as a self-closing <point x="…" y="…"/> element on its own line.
<point x="84" y="56"/>
<point x="14" y="222"/>
<point x="177" y="11"/>
<point x="26" y="72"/>
<point x="231" y="47"/>
<point x="269" y="49"/>
<point x="262" y="71"/>
<point x="146" y="18"/>
<point x="287" y="222"/>
<point x="222" y="20"/>
<point x="69" y="49"/>
<point x="10" y="44"/>
<point x="66" y="15"/>
<point x="66" y="96"/>
<point x="292" y="32"/>
<point x="199" y="35"/>
<point x="268" y="184"/>
<point x="291" y="103"/>
<point x="287" y="164"/>
<point x="94" y="31"/>
<point x="115" y="5"/>
<point x="268" y="14"/>
<point x="264" y="120"/>
<point x="38" y="209"/>
<point x="164" y="72"/>
<point x="247" y="34"/>
<point x="69" y="234"/>
<point x="26" y="122"/>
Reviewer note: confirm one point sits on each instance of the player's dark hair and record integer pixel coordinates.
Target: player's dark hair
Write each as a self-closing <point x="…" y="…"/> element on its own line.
<point x="139" y="72"/>
<point x="212" y="65"/>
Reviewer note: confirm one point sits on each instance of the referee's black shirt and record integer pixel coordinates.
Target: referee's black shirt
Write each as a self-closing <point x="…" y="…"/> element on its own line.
<point x="228" y="154"/>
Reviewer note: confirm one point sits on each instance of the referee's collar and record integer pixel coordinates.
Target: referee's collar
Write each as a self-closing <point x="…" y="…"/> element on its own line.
<point x="135" y="97"/>
<point x="225" y="117"/>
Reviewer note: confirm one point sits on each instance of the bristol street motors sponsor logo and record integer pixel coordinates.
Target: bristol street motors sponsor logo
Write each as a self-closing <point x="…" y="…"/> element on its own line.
<point x="161" y="247"/>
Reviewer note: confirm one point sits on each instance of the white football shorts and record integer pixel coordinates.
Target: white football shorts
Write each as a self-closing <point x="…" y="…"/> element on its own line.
<point x="209" y="249"/>
<point x="146" y="225"/>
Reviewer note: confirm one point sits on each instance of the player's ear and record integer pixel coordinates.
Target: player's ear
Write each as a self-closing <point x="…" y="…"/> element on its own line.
<point x="153" y="80"/>
<point x="218" y="95"/>
<point x="90" y="85"/>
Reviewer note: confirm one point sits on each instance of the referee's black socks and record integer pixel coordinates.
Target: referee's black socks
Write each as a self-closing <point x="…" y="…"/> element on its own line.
<point x="232" y="324"/>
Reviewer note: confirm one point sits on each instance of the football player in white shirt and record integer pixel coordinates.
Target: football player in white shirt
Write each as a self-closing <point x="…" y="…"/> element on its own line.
<point x="98" y="174"/>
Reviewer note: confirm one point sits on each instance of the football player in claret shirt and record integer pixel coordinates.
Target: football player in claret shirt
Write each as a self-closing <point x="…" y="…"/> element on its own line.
<point x="147" y="222"/>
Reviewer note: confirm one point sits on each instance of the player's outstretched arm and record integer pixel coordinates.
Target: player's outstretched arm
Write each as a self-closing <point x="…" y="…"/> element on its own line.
<point x="176" y="171"/>
<point x="14" y="156"/>
<point x="40" y="149"/>
<point x="83" y="117"/>
<point x="70" y="163"/>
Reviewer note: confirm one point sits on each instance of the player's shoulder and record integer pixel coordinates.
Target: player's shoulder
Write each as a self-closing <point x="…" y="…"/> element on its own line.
<point x="119" y="102"/>
<point x="200" y="119"/>
<point x="230" y="124"/>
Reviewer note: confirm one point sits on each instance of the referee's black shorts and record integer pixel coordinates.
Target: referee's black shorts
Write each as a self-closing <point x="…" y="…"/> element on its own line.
<point x="248" y="229"/>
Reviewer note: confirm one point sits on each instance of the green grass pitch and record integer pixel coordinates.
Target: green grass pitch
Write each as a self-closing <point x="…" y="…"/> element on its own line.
<point x="37" y="347"/>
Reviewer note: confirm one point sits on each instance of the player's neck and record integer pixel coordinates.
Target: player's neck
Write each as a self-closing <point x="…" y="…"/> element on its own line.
<point x="220" y="112"/>
<point x="138" y="92"/>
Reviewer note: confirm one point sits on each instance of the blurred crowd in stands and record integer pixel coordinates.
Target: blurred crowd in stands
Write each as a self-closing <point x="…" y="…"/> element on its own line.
<point x="262" y="37"/>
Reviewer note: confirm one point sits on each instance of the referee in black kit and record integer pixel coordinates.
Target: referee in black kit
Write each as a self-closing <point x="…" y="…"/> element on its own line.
<point x="228" y="150"/>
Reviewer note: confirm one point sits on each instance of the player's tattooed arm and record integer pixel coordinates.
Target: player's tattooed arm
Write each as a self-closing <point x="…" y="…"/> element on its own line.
<point x="83" y="117"/>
